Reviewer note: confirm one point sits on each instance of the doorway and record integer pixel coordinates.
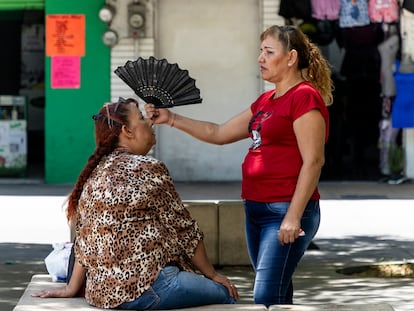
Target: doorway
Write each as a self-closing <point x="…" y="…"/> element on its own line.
<point x="22" y="38"/>
<point x="352" y="151"/>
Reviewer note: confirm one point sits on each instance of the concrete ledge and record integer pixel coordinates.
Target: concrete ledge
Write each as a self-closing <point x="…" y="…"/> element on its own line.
<point x="44" y="282"/>
<point x="232" y="239"/>
<point x="223" y="225"/>
<point x="206" y="214"/>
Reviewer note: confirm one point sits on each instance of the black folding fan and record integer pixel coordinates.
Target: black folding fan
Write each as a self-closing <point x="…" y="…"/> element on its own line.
<point x="158" y="82"/>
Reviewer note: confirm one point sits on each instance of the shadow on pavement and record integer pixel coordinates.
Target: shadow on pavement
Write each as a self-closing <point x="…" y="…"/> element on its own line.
<point x="316" y="280"/>
<point x="18" y="262"/>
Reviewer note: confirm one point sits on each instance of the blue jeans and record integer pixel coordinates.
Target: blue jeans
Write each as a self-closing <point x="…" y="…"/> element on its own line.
<point x="274" y="263"/>
<point x="175" y="289"/>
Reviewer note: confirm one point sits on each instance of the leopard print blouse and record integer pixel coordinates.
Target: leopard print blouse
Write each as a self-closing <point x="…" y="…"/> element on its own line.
<point x="132" y="222"/>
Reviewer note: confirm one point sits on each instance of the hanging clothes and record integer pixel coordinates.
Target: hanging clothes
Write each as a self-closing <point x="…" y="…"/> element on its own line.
<point x="295" y="9"/>
<point x="326" y="9"/>
<point x="407" y="41"/>
<point x="353" y="13"/>
<point x="325" y="15"/>
<point x="388" y="52"/>
<point x="361" y="59"/>
<point x="383" y="11"/>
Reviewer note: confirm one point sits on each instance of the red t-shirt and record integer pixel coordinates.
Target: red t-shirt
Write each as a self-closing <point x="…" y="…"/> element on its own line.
<point x="271" y="167"/>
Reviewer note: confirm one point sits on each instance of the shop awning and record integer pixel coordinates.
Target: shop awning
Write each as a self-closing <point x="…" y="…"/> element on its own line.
<point x="22" y="4"/>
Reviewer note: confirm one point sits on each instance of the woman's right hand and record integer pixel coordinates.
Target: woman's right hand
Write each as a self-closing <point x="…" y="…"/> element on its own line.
<point x="158" y="115"/>
<point x="223" y="280"/>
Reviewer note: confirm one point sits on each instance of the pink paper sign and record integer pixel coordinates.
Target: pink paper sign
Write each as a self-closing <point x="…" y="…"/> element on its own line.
<point x="65" y="72"/>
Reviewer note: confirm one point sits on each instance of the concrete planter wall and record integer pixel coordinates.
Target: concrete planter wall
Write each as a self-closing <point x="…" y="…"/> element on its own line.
<point x="223" y="225"/>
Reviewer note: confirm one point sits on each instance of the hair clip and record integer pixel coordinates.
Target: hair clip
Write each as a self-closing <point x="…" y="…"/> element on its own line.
<point x="108" y="115"/>
<point x="121" y="100"/>
<point x="97" y="116"/>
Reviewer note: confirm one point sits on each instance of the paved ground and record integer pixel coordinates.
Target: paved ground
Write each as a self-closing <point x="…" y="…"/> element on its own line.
<point x="362" y="223"/>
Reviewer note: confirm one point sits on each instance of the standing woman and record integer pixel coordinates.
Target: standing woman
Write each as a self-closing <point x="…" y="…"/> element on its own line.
<point x="289" y="128"/>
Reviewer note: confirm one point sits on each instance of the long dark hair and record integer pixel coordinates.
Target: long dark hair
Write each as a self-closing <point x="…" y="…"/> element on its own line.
<point x="108" y="125"/>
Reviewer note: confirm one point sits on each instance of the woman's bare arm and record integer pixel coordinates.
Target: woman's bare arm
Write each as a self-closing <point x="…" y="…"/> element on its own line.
<point x="202" y="263"/>
<point x="69" y="290"/>
<point x="310" y="132"/>
<point x="233" y="130"/>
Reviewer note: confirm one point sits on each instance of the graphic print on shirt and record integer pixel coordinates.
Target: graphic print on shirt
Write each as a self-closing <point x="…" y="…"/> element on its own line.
<point x="255" y="125"/>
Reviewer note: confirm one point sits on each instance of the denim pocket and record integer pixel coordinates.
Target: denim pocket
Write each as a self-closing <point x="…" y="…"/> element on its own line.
<point x="147" y="301"/>
<point x="169" y="271"/>
<point x="278" y="207"/>
<point x="166" y="279"/>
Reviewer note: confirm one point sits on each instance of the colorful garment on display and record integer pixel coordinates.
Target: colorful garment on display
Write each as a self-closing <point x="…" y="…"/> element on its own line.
<point x="353" y="13"/>
<point x="326" y="9"/>
<point x="403" y="107"/>
<point x="383" y="11"/>
<point x="325" y="14"/>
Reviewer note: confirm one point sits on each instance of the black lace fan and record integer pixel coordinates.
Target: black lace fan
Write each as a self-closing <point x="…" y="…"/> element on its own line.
<point x="158" y="82"/>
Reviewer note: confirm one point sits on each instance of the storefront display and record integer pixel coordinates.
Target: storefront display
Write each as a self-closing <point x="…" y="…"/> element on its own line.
<point x="13" y="136"/>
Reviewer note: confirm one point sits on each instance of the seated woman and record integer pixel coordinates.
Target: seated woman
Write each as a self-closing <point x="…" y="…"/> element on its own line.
<point x="136" y="245"/>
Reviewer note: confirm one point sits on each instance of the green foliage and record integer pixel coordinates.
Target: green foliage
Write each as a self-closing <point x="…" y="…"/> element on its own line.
<point x="396" y="159"/>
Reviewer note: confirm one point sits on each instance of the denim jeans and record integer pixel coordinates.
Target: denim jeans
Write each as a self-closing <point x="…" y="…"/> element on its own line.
<point x="274" y="263"/>
<point x="179" y="289"/>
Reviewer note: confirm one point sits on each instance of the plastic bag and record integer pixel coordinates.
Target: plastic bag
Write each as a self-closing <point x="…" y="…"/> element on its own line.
<point x="58" y="260"/>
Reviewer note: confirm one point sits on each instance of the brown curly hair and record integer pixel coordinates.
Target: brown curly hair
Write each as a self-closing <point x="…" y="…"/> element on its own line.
<point x="315" y="68"/>
<point x="108" y="125"/>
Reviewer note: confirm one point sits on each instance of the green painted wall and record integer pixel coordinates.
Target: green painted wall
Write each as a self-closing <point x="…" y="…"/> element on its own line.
<point x="69" y="132"/>
<point x="22" y="4"/>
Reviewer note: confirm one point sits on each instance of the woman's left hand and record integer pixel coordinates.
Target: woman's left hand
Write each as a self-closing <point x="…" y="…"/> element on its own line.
<point x="219" y="278"/>
<point x="53" y="293"/>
